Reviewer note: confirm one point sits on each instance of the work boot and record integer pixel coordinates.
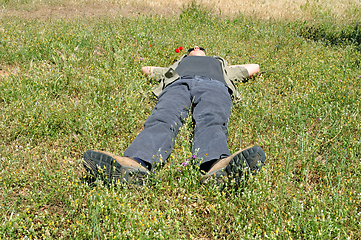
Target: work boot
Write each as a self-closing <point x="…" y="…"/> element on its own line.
<point x="116" y="169"/>
<point x="237" y="166"/>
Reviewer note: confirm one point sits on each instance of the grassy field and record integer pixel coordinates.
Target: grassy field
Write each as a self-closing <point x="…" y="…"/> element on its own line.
<point x="69" y="83"/>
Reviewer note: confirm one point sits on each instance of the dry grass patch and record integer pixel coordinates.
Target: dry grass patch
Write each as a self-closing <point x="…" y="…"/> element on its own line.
<point x="265" y="9"/>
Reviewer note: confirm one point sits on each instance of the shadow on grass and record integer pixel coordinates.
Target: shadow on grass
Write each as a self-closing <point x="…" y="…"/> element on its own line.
<point x="333" y="34"/>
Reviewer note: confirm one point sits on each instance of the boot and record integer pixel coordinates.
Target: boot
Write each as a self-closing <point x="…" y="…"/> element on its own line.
<point x="116" y="169"/>
<point x="246" y="161"/>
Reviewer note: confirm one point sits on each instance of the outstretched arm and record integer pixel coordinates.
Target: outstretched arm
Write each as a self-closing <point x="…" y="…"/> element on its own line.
<point x="148" y="70"/>
<point x="251" y="68"/>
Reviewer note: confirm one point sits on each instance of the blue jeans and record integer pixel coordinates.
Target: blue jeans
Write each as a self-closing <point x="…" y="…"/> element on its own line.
<point x="210" y="103"/>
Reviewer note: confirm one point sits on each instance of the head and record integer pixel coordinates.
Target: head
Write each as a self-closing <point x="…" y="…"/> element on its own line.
<point x="196" y="51"/>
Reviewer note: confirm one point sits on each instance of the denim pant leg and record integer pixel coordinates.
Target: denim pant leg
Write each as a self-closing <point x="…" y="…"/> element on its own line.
<point x="211" y="111"/>
<point x="156" y="141"/>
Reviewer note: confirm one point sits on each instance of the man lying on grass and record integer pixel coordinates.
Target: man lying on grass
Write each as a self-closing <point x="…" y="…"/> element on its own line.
<point x="196" y="83"/>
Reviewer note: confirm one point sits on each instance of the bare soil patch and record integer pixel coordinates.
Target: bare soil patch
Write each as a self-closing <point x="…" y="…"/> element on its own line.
<point x="6" y="70"/>
<point x="3" y="73"/>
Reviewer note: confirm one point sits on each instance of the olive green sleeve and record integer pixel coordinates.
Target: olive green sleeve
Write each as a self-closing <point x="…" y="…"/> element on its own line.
<point x="158" y="72"/>
<point x="238" y="73"/>
<point x="166" y="76"/>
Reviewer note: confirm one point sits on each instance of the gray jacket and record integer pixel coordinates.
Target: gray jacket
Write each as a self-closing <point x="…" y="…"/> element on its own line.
<point x="165" y="76"/>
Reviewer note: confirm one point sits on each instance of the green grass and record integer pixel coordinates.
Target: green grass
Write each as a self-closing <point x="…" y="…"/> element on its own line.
<point x="75" y="85"/>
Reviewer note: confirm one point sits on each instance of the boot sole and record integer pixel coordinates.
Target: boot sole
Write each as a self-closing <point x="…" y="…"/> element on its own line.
<point x="101" y="165"/>
<point x="249" y="161"/>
